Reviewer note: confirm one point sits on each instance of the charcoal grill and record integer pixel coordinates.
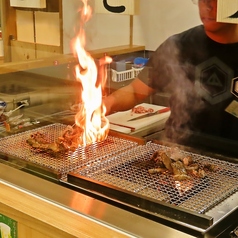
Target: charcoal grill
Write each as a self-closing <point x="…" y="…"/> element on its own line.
<point x="60" y="164"/>
<point x="188" y="201"/>
<point x="129" y="171"/>
<point x="116" y="170"/>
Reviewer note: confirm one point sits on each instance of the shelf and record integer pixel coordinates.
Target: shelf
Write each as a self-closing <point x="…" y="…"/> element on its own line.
<point x="63" y="59"/>
<point x="118" y="50"/>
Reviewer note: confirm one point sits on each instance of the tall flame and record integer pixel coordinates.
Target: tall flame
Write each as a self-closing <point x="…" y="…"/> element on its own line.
<point x="91" y="117"/>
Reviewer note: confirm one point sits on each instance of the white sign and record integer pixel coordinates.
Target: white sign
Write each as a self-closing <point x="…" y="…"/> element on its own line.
<point x="227" y="11"/>
<point x="28" y="3"/>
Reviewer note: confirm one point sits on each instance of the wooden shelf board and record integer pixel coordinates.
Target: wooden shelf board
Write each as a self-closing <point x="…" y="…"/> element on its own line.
<point x="62" y="59"/>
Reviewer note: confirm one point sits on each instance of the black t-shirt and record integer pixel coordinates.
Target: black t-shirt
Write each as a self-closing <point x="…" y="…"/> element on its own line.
<point x="198" y="73"/>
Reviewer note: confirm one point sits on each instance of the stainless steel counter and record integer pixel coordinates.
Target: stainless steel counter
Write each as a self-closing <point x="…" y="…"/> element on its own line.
<point x="131" y="224"/>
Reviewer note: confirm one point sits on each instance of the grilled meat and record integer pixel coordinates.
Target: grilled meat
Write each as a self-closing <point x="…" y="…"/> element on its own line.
<point x="71" y="138"/>
<point x="191" y="167"/>
<point x="209" y="167"/>
<point x="175" y="154"/>
<point x="187" y="160"/>
<point x="39" y="141"/>
<point x="180" y="166"/>
<point x="157" y="170"/>
<point x="69" y="141"/>
<point x="157" y="158"/>
<point x="166" y="161"/>
<point x="200" y="173"/>
<point x="179" y="171"/>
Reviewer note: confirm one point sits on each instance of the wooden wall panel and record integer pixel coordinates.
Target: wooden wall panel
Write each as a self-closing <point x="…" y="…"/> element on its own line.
<point x="22" y="51"/>
<point x="8" y="27"/>
<point x="45" y="51"/>
<point x="19" y="49"/>
<point x="39" y="218"/>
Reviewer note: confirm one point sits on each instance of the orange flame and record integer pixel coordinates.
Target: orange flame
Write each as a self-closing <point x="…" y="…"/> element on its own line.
<point x="91" y="117"/>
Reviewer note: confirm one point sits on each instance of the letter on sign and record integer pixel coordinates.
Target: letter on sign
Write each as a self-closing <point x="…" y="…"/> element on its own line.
<point x="113" y="9"/>
<point x="125" y="7"/>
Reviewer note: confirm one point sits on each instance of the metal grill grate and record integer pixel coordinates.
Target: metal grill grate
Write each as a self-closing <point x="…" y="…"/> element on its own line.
<point x="123" y="163"/>
<point x="63" y="163"/>
<point x="129" y="171"/>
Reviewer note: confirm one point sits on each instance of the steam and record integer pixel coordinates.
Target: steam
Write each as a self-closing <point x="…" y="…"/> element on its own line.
<point x="177" y="78"/>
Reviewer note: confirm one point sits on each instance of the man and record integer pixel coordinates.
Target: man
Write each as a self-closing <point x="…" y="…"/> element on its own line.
<point x="196" y="67"/>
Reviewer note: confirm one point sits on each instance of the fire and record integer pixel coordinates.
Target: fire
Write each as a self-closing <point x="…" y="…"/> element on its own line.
<point x="91" y="117"/>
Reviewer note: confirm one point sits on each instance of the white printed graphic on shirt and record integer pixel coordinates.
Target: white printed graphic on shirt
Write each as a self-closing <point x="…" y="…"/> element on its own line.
<point x="233" y="108"/>
<point x="213" y="80"/>
<point x="234" y="87"/>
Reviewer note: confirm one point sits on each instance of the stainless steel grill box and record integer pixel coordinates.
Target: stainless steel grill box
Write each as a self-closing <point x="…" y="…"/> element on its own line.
<point x="116" y="170"/>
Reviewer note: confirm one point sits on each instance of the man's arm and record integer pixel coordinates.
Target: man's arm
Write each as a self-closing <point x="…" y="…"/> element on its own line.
<point x="127" y="97"/>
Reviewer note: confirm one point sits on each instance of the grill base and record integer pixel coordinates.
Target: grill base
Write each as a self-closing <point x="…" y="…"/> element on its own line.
<point x="117" y="168"/>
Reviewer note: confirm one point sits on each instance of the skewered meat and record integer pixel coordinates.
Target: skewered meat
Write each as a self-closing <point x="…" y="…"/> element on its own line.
<point x="180" y="166"/>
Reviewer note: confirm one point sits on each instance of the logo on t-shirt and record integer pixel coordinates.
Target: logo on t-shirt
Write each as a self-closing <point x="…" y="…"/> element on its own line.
<point x="213" y="80"/>
<point x="234" y="87"/>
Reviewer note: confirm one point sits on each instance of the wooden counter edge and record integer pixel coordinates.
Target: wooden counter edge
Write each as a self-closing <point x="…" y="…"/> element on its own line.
<point x="44" y="216"/>
<point x="62" y="59"/>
